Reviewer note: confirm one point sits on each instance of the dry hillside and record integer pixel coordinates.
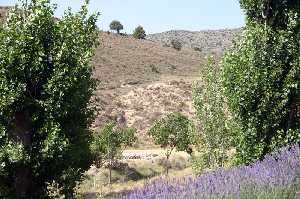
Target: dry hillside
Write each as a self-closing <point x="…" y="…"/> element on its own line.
<point x="3" y="12"/>
<point x="143" y="79"/>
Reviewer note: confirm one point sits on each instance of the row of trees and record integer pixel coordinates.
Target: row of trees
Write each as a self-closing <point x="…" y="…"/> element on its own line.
<point x="138" y="33"/>
<point x="46" y="87"/>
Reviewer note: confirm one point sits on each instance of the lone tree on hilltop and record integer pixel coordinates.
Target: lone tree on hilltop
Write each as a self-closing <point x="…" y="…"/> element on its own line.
<point x="175" y="131"/>
<point x="116" y="25"/>
<point x="46" y="85"/>
<point x="139" y="33"/>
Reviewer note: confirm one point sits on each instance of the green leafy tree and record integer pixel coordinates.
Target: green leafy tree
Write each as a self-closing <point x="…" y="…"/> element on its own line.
<point x="175" y="131"/>
<point x="107" y="145"/>
<point x="139" y="33"/>
<point x="116" y="25"/>
<point x="46" y="85"/>
<point x="218" y="129"/>
<point x="261" y="78"/>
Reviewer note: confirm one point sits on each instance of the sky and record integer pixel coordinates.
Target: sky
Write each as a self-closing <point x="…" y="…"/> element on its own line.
<point x="160" y="15"/>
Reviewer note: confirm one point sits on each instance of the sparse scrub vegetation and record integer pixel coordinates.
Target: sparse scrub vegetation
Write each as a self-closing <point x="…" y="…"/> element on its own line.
<point x="196" y="48"/>
<point x="154" y="68"/>
<point x="176" y="44"/>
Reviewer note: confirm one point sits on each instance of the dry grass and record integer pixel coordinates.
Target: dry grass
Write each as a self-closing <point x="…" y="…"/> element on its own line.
<point x="139" y="171"/>
<point x="124" y="60"/>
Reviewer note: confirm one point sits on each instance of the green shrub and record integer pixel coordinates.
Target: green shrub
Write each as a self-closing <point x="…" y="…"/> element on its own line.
<point x="46" y="85"/>
<point x="196" y="48"/>
<point x="54" y="191"/>
<point x="176" y="44"/>
<point x="261" y="75"/>
<point x="175" y="131"/>
<point x="107" y="145"/>
<point x="139" y="33"/>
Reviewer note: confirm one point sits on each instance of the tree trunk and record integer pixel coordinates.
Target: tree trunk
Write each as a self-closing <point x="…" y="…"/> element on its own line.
<point x="167" y="166"/>
<point x="21" y="133"/>
<point x="168" y="154"/>
<point x="109" y="167"/>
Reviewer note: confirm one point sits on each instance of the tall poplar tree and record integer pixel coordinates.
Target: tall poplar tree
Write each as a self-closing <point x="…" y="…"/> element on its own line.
<point x="261" y="75"/>
<point x="45" y="88"/>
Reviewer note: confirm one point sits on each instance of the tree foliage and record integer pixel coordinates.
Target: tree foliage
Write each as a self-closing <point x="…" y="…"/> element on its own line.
<point x="218" y="128"/>
<point x="116" y="25"/>
<point x="107" y="145"/>
<point x="261" y="78"/>
<point x="175" y="131"/>
<point x="139" y="33"/>
<point x="273" y="12"/>
<point x="46" y="85"/>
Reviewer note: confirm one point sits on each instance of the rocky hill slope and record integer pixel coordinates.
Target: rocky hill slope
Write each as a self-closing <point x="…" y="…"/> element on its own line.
<point x="209" y="42"/>
<point x="143" y="79"/>
<point x="146" y="80"/>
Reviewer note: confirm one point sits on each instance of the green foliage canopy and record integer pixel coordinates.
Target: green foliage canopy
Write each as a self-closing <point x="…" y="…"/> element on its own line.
<point x="107" y="145"/>
<point x="261" y="79"/>
<point x="139" y="33"/>
<point x="174" y="131"/>
<point x="218" y="128"/>
<point x="273" y="12"/>
<point x="116" y="25"/>
<point x="46" y="85"/>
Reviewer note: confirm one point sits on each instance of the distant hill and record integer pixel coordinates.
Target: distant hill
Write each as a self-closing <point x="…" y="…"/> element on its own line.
<point x="3" y="12"/>
<point x="209" y="41"/>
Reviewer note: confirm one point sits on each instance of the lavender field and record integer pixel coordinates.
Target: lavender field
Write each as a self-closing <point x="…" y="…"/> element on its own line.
<point x="276" y="177"/>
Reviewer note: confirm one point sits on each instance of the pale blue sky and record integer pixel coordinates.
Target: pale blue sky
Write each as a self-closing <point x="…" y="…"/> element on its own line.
<point x="161" y="15"/>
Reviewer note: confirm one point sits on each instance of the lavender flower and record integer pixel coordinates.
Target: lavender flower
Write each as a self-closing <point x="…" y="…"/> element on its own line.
<point x="277" y="176"/>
